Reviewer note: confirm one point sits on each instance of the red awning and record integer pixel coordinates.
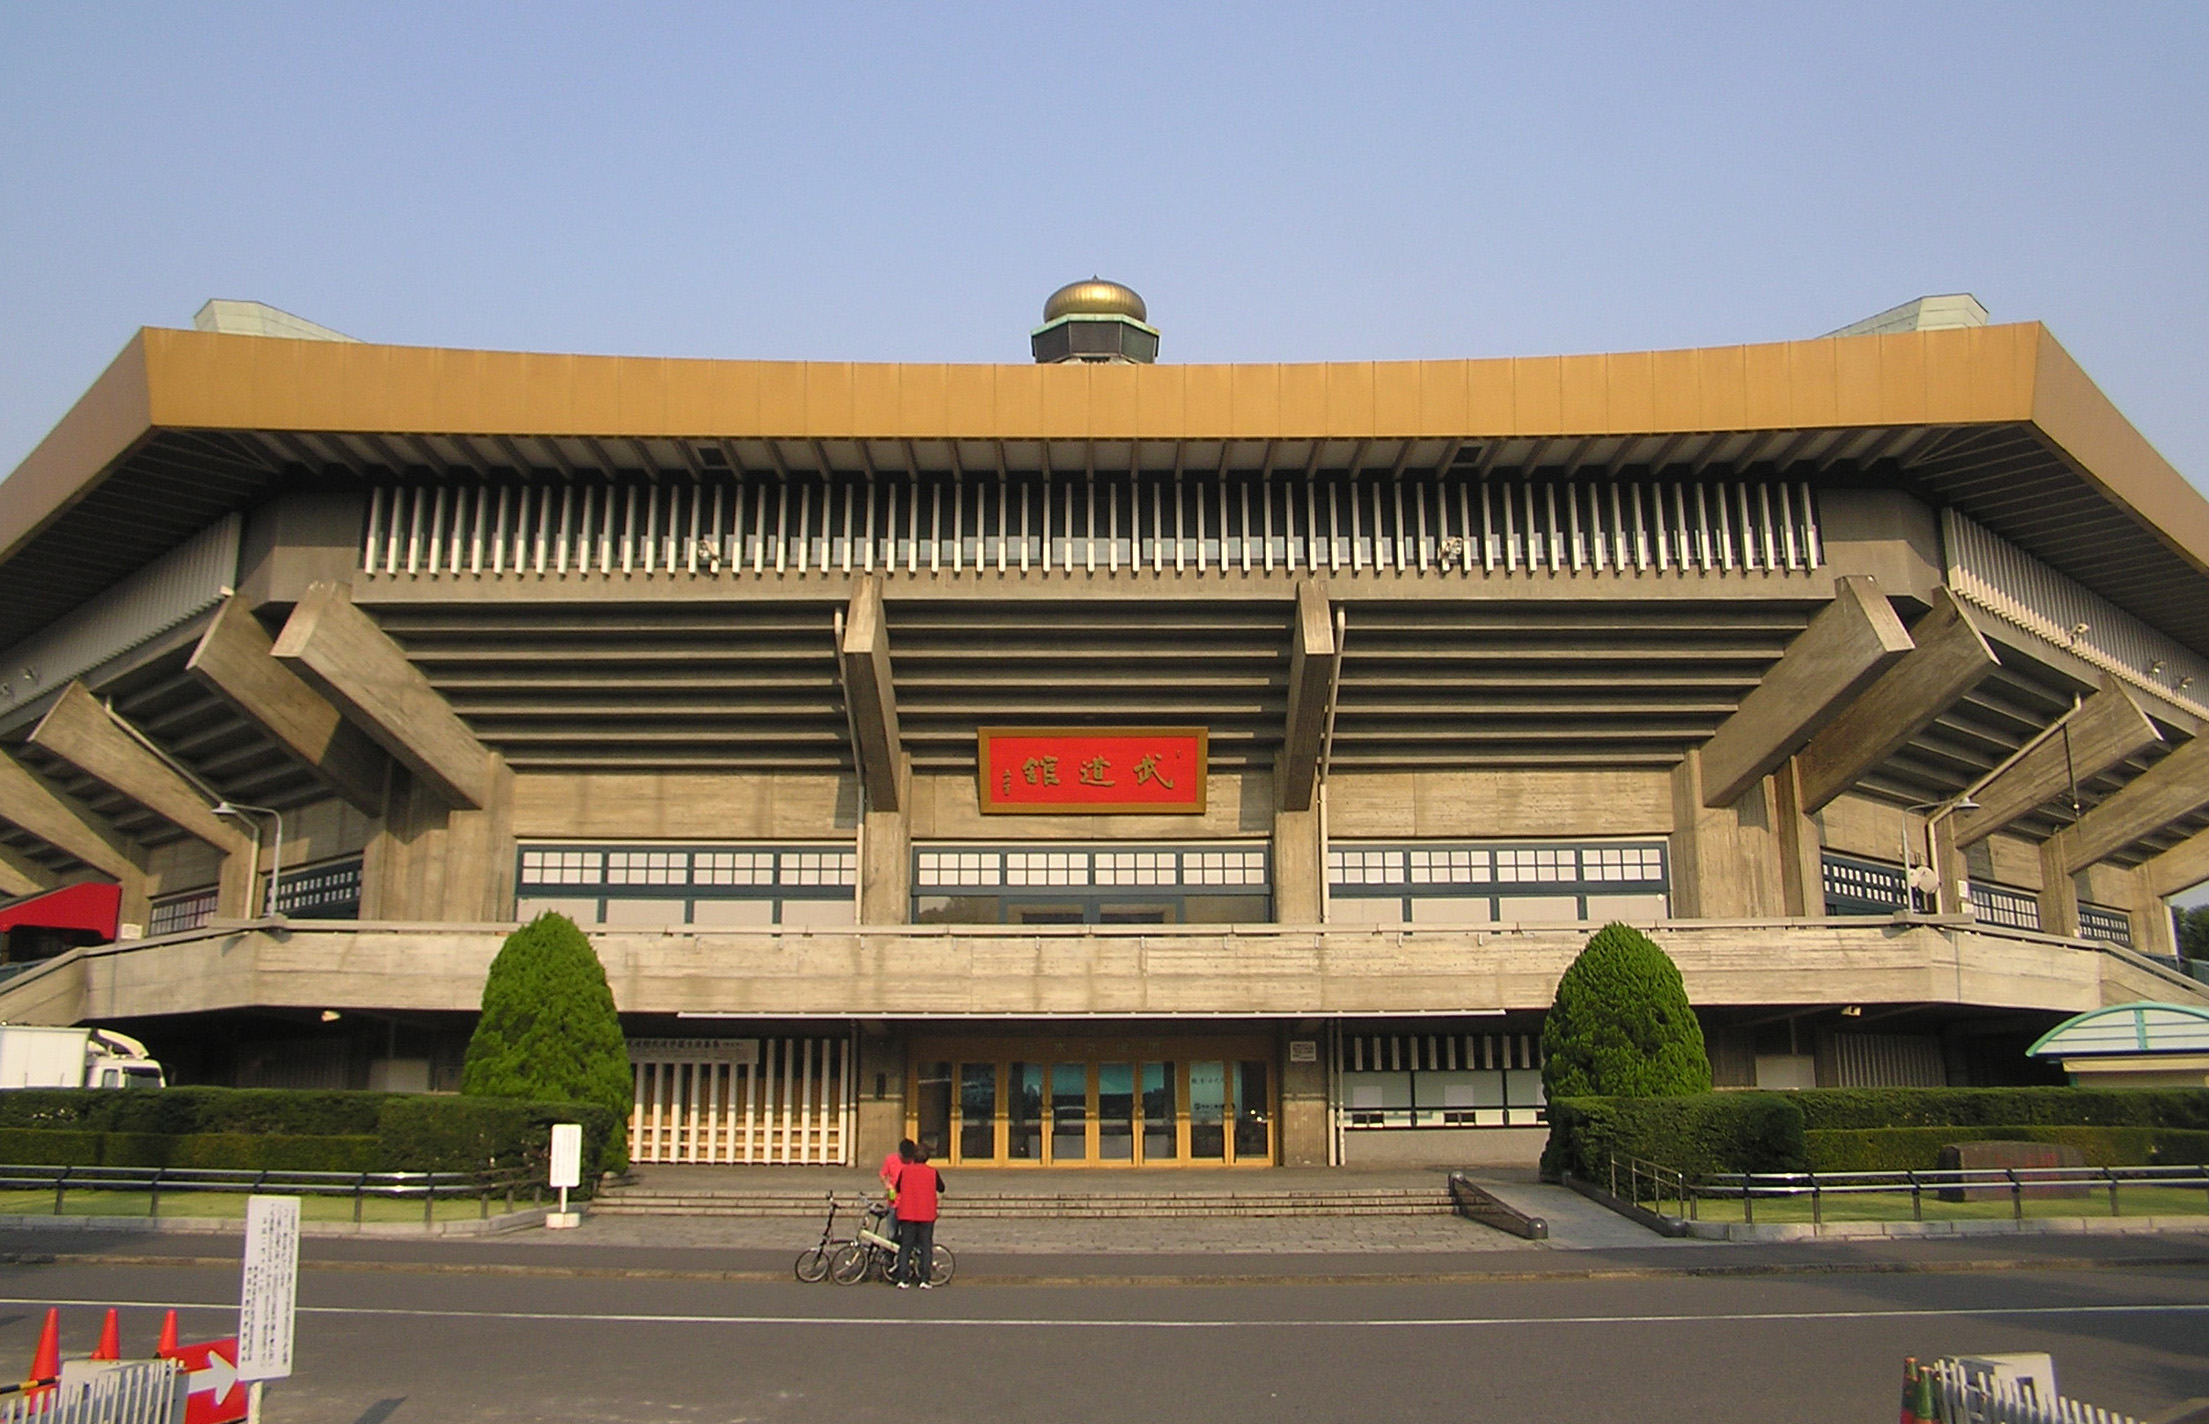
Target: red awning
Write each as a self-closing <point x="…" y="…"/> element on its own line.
<point x="93" y="907"/>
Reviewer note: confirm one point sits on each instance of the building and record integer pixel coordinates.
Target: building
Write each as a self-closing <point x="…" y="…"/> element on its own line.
<point x="1096" y="760"/>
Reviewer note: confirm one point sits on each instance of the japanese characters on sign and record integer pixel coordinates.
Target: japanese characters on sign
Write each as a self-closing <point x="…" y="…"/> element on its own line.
<point x="1060" y="770"/>
<point x="269" y="1289"/>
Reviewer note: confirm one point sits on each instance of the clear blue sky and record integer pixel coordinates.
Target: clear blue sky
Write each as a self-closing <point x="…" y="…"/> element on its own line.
<point x="901" y="183"/>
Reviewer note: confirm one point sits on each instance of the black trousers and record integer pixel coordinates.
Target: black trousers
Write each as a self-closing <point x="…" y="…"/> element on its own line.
<point x="916" y="1246"/>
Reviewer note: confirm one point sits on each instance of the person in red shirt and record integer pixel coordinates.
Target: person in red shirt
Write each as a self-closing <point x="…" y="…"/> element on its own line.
<point x="891" y="1166"/>
<point x="918" y="1187"/>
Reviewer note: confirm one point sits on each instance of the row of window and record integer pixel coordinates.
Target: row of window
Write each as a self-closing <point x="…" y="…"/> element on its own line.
<point x="1871" y="887"/>
<point x="984" y="867"/>
<point x="1351" y="869"/>
<point x="1412" y="1080"/>
<point x="330" y="891"/>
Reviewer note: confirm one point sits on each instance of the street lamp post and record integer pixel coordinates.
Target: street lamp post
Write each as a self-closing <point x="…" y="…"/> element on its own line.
<point x="245" y="813"/>
<point x="1935" y="812"/>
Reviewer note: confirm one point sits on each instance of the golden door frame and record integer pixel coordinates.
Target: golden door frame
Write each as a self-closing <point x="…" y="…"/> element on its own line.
<point x="1090" y="1051"/>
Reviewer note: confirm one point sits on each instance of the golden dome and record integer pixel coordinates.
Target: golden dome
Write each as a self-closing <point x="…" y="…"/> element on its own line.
<point x="1095" y="297"/>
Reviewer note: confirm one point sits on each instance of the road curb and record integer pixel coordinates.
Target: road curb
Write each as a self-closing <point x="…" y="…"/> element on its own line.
<point x="972" y="1276"/>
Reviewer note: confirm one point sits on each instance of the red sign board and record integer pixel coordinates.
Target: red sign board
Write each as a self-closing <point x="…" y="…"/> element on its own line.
<point x="1088" y="770"/>
<point x="214" y="1393"/>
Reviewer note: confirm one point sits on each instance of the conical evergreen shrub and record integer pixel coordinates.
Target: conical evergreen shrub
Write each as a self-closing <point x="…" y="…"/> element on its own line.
<point x="549" y="1031"/>
<point x="1621" y="1025"/>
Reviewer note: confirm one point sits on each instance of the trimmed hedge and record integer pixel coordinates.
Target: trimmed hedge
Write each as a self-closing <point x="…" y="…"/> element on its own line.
<point x="176" y="1112"/>
<point x="1827" y="1109"/>
<point x="237" y="1151"/>
<point x="1706" y="1132"/>
<point x="1903" y="1149"/>
<point x="1871" y="1129"/>
<point x="255" y="1128"/>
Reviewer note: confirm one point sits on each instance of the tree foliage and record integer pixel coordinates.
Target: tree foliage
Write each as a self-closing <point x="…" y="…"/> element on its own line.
<point x="1621" y="1025"/>
<point x="549" y="1031"/>
<point x="2193" y="932"/>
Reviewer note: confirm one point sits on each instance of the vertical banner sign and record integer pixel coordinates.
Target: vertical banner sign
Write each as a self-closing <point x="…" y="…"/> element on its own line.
<point x="270" y="1289"/>
<point x="1091" y="770"/>
<point x="567" y="1155"/>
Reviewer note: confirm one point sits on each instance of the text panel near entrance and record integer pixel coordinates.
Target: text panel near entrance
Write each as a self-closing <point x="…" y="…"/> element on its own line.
<point x="1108" y="1101"/>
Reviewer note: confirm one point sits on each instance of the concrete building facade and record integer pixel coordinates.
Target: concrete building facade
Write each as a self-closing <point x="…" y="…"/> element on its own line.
<point x="1865" y="673"/>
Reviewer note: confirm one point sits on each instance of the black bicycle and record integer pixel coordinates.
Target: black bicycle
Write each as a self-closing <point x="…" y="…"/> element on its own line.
<point x="813" y="1265"/>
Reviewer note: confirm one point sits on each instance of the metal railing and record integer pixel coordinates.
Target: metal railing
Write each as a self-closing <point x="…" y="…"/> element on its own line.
<point x="429" y="1187"/>
<point x="1950" y="1184"/>
<point x="126" y="1392"/>
<point x="1959" y="1397"/>
<point x="1652" y="1183"/>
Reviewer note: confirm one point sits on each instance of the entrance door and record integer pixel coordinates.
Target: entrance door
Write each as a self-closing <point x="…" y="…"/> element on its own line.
<point x="1097" y="1101"/>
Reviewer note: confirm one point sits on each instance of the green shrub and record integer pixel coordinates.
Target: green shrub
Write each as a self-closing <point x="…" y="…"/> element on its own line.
<point x="1827" y="1109"/>
<point x="1621" y="1025"/>
<point x="1904" y="1149"/>
<point x="175" y="1112"/>
<point x="241" y="1129"/>
<point x="232" y="1151"/>
<point x="442" y="1134"/>
<point x="1705" y="1133"/>
<point x="549" y="1031"/>
<point x="50" y="1147"/>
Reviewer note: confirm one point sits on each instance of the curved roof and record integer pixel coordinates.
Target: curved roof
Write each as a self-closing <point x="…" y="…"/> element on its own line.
<point x="2144" y="1027"/>
<point x="1999" y="421"/>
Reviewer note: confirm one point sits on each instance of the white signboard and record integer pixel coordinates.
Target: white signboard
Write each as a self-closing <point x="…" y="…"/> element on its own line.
<point x="567" y="1154"/>
<point x="270" y="1288"/>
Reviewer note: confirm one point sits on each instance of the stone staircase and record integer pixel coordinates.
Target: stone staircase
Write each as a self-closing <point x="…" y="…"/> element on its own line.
<point x="1003" y="1197"/>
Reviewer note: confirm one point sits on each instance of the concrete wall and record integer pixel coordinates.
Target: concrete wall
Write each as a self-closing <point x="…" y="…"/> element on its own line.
<point x="1173" y="971"/>
<point x="1446" y="1147"/>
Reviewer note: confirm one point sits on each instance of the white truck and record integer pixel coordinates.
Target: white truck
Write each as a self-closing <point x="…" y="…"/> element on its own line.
<point x="34" y="1057"/>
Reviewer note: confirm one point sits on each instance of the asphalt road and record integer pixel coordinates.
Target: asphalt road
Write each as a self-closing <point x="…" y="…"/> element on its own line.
<point x="399" y="1345"/>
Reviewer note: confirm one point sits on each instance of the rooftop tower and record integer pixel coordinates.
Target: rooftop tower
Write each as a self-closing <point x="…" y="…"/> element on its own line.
<point x="1094" y="320"/>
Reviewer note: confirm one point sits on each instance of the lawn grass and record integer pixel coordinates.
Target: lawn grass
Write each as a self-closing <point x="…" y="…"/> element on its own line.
<point x="1895" y="1206"/>
<point x="230" y="1206"/>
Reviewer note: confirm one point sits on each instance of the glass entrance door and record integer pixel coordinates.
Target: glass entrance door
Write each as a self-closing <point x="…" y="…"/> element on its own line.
<point x="1106" y="1102"/>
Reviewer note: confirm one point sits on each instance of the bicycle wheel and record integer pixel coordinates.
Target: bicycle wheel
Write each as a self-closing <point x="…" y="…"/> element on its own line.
<point x="941" y="1263"/>
<point x="812" y="1266"/>
<point x="851" y="1263"/>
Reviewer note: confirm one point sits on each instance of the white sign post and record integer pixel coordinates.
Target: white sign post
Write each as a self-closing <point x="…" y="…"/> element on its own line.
<point x="567" y="1171"/>
<point x="268" y="1294"/>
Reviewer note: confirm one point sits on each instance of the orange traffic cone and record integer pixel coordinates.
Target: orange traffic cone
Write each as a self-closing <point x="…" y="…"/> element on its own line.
<point x="111" y="1339"/>
<point x="46" y="1363"/>
<point x="166" y="1345"/>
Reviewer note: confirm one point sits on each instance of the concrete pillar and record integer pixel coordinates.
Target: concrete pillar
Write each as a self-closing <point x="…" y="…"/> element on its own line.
<point x="427" y="861"/>
<point x="1725" y="861"/>
<point x="2059" y="893"/>
<point x="881" y="1117"/>
<point x="886" y="864"/>
<point x="2152" y="930"/>
<point x="1299" y="868"/>
<point x="1303" y="1125"/>
<point x="1801" y="855"/>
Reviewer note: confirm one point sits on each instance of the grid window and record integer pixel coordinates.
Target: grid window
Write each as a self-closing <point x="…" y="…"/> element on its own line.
<point x="1450" y="867"/>
<point x="308" y="893"/>
<point x="809" y="867"/>
<point x="563" y="867"/>
<point x="1545" y="866"/>
<point x="181" y="913"/>
<point x="1056" y="867"/>
<point x="1137" y="867"/>
<point x="1622" y="863"/>
<point x="2102" y="923"/>
<point x="737" y="867"/>
<point x="952" y="869"/>
<point x="648" y="867"/>
<point x="1224" y="867"/>
<point x="2009" y="908"/>
<point x="1365" y="867"/>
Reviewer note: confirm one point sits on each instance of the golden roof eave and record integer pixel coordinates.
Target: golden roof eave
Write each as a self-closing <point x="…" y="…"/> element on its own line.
<point x="190" y="380"/>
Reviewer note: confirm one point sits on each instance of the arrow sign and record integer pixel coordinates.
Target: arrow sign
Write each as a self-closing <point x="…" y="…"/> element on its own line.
<point x="213" y="1392"/>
